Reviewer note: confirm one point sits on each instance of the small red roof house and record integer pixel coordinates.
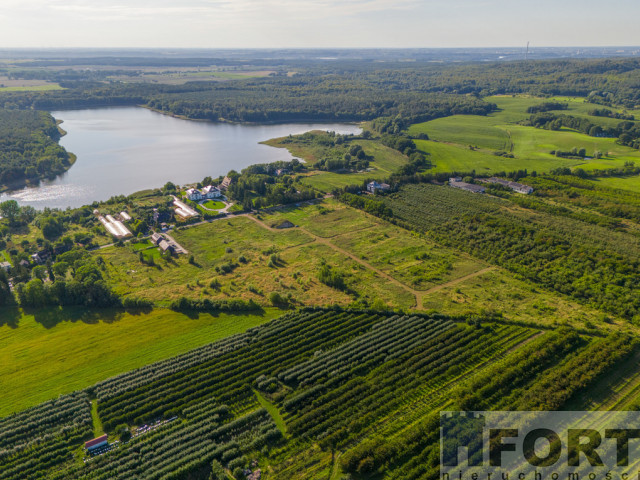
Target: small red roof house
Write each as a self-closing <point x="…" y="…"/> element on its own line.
<point x="96" y="442"/>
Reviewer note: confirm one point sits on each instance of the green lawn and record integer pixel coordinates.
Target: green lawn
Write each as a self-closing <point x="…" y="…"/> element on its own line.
<point x="273" y="411"/>
<point x="214" y="204"/>
<point x="141" y="244"/>
<point x="48" y="352"/>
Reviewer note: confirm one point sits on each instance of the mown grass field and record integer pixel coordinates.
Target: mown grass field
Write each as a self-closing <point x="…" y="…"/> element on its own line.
<point x="451" y="137"/>
<point x="626" y="183"/>
<point x="465" y="130"/>
<point x="49" y="352"/>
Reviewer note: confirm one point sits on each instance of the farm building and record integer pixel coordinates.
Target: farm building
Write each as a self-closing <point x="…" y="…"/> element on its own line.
<point x="125" y="216"/>
<point x="166" y="246"/>
<point x="211" y="192"/>
<point x="456" y="182"/>
<point x="183" y="210"/>
<point x="5" y="265"/>
<point x="114" y="227"/>
<point x="194" y="194"/>
<point x="515" y="186"/>
<point x="156" y="238"/>
<point x="96" y="442"/>
<point x="373" y="186"/>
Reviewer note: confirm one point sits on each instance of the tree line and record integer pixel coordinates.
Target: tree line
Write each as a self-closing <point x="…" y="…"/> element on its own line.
<point x="29" y="146"/>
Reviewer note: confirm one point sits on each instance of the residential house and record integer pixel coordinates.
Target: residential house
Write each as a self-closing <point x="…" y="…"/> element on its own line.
<point x="211" y="192"/>
<point x="194" y="194"/>
<point x="373" y="186"/>
<point x="41" y="257"/>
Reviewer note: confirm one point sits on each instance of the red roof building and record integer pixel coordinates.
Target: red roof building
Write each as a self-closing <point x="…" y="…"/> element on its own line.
<point x="96" y="442"/>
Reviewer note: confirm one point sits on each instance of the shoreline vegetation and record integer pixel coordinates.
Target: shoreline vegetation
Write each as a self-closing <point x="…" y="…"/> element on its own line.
<point x="29" y="142"/>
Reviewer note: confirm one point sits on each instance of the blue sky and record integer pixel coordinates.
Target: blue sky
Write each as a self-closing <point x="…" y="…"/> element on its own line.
<point x="317" y="23"/>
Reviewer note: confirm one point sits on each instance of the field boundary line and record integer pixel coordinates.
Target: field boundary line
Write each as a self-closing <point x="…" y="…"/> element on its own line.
<point x="328" y="243"/>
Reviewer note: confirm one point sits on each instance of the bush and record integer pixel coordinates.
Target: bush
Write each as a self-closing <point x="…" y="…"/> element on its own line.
<point x="123" y="432"/>
<point x="278" y="300"/>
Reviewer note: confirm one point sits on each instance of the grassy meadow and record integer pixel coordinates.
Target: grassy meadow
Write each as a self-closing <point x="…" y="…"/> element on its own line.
<point x="625" y="183"/>
<point x="452" y="137"/>
<point x="384" y="162"/>
<point x="51" y="351"/>
<point x="250" y="248"/>
<point x="517" y="300"/>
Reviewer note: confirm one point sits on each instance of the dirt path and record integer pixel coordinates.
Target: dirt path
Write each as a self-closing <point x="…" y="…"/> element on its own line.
<point x="418" y="294"/>
<point x="328" y="243"/>
<point x="457" y="280"/>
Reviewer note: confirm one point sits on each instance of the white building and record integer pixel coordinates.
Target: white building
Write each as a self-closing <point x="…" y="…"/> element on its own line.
<point x="194" y="194"/>
<point x="211" y="192"/>
<point x="373" y="186"/>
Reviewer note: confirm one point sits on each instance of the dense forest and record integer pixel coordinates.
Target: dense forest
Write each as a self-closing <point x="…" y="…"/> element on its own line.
<point x="346" y="90"/>
<point x="28" y="146"/>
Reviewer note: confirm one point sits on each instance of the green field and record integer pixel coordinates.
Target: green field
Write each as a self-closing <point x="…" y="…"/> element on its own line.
<point x="465" y="130"/>
<point x="626" y="183"/>
<point x="451" y="138"/>
<point x="49" y="352"/>
<point x="35" y="88"/>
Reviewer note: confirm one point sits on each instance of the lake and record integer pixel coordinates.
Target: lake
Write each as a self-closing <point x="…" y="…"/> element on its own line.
<point x="126" y="149"/>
